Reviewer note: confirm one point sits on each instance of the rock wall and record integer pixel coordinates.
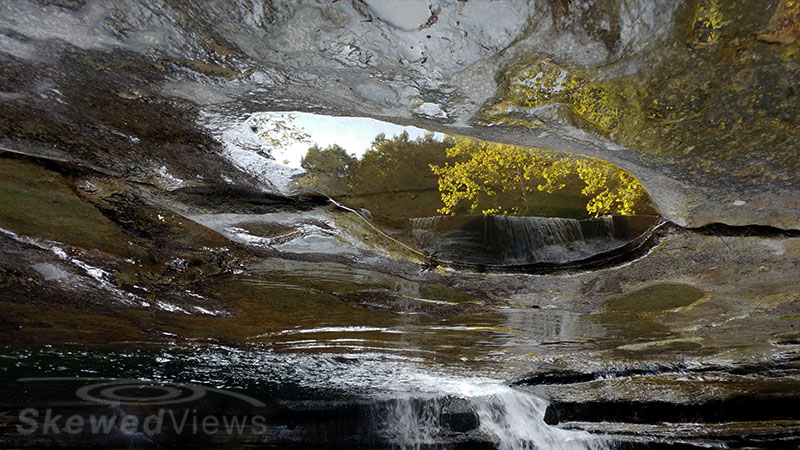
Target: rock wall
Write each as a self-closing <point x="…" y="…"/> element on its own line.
<point x="696" y="98"/>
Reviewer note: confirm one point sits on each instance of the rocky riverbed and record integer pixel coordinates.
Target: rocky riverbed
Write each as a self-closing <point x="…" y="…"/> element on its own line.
<point x="137" y="243"/>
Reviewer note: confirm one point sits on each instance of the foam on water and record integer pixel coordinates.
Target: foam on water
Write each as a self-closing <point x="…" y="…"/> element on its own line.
<point x="413" y="405"/>
<point x="515" y="421"/>
<point x="510" y="418"/>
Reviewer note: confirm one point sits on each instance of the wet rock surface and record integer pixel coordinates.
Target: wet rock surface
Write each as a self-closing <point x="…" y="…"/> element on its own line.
<point x="699" y="325"/>
<point x="694" y="98"/>
<point x="127" y="226"/>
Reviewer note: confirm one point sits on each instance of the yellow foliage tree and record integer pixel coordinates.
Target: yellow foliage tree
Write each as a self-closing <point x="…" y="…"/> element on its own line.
<point x="479" y="168"/>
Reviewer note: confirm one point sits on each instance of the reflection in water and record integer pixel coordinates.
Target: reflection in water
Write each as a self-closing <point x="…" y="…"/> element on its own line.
<point x="552" y="325"/>
<point x="325" y="308"/>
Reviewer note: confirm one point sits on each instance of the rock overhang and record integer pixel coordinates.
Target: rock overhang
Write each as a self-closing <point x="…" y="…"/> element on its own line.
<point x="691" y="98"/>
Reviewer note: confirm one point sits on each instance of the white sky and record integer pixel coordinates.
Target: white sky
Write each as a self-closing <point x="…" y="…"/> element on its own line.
<point x="355" y="134"/>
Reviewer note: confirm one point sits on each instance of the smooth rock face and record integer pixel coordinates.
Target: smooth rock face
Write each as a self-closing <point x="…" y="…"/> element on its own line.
<point x="136" y="218"/>
<point x="698" y="100"/>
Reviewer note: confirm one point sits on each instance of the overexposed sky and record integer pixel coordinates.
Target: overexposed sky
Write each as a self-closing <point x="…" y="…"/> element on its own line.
<point x="355" y="134"/>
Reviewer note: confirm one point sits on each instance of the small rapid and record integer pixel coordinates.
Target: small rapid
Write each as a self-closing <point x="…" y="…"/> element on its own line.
<point x="500" y="416"/>
<point x="515" y="421"/>
<point x="309" y="400"/>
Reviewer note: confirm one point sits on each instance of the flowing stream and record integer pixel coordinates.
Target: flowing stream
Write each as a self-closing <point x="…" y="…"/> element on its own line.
<point x="396" y="402"/>
<point x="508" y="418"/>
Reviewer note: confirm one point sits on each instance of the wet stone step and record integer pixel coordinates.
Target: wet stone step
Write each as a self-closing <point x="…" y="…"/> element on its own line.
<point x="652" y="412"/>
<point x="666" y="436"/>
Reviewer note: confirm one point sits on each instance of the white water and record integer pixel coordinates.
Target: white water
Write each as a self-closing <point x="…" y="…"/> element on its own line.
<point x="410" y="424"/>
<point x="512" y="419"/>
<point x="515" y="421"/>
<point x="423" y="230"/>
<point x="509" y="418"/>
<point x="410" y="399"/>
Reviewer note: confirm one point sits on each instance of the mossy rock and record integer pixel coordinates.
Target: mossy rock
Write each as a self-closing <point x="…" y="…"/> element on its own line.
<point x="659" y="297"/>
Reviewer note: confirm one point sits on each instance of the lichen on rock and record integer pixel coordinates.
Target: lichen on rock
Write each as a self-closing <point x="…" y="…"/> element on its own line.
<point x="544" y="83"/>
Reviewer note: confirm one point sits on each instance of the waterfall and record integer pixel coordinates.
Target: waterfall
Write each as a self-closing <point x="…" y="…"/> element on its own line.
<point x="508" y="418"/>
<point x="514" y="420"/>
<point x="523" y="239"/>
<point x="602" y="227"/>
<point x="423" y="231"/>
<point x="608" y="221"/>
<point x="512" y="239"/>
<point x="410" y="423"/>
<point x="425" y="223"/>
<point x="535" y="232"/>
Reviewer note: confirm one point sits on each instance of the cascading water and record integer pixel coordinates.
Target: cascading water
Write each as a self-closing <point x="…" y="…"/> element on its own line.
<point x="509" y="240"/>
<point x="600" y="227"/>
<point x="524" y="238"/>
<point x="507" y="418"/>
<point x="409" y="423"/>
<point x="337" y="401"/>
<point x="423" y="230"/>
<point x="609" y="223"/>
<point x="440" y="409"/>
<point x="515" y="421"/>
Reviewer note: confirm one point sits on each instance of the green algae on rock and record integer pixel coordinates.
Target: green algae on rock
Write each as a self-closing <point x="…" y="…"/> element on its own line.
<point x="655" y="298"/>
